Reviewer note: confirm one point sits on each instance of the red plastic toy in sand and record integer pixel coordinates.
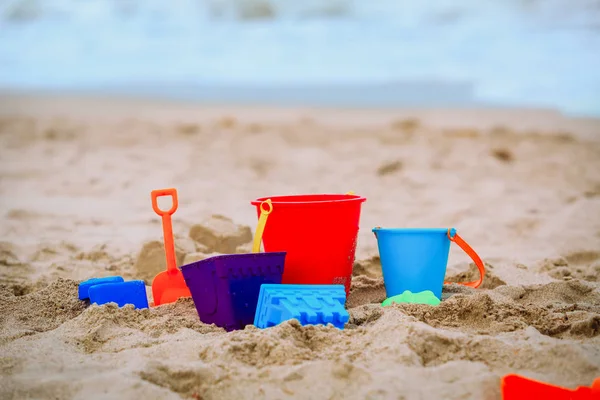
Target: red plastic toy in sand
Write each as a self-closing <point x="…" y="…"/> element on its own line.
<point x="317" y="231"/>
<point x="169" y="285"/>
<point x="516" y="387"/>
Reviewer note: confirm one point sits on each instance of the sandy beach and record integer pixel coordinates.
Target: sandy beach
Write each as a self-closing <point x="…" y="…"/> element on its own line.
<point x="521" y="186"/>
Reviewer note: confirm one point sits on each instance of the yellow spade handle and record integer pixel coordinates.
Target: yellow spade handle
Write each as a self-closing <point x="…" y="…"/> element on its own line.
<point x="262" y="221"/>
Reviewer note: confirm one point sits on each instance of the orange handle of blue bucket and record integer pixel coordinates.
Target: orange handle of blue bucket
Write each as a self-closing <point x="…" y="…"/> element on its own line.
<point x="262" y="221"/>
<point x="469" y="250"/>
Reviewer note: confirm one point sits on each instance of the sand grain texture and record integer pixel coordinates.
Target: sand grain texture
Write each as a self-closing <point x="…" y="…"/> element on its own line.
<point x="522" y="187"/>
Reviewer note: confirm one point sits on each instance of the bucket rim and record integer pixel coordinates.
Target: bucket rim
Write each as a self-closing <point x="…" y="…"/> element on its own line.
<point x="413" y="230"/>
<point x="195" y="264"/>
<point x="296" y="199"/>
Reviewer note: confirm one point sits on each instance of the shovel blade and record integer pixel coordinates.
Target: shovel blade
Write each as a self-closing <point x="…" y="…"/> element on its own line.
<point x="168" y="286"/>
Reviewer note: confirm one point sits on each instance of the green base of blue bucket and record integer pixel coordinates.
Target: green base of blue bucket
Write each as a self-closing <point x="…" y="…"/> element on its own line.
<point x="424" y="297"/>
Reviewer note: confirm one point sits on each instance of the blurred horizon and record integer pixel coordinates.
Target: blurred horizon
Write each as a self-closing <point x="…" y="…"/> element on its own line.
<point x="382" y="53"/>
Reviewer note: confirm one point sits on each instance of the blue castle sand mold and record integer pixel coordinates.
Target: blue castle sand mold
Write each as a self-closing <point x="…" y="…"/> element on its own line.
<point x="309" y="304"/>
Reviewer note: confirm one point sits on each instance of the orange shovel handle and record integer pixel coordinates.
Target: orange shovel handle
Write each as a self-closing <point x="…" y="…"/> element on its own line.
<point x="166" y="223"/>
<point x="467" y="249"/>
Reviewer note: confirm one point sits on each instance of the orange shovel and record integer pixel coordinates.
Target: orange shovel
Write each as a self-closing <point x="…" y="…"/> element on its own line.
<point x="169" y="285"/>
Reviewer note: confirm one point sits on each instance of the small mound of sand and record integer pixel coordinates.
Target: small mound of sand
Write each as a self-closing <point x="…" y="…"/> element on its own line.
<point x="184" y="379"/>
<point x="8" y="255"/>
<point x="51" y="252"/>
<point x="111" y="329"/>
<point x="19" y="286"/>
<point x="287" y="343"/>
<point x="409" y="125"/>
<point x="14" y="273"/>
<point x="220" y="234"/>
<point x="496" y="311"/>
<point x="370" y="267"/>
<point x="389" y="168"/>
<point x="364" y="314"/>
<point x="365" y="290"/>
<point x="504" y="155"/>
<point x="574" y="293"/>
<point x="99" y="253"/>
<point x="578" y="265"/>
<point x="39" y="311"/>
<point x="516" y="351"/>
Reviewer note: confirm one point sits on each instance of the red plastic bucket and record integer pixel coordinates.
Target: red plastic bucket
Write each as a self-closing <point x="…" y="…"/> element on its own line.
<point x="318" y="232"/>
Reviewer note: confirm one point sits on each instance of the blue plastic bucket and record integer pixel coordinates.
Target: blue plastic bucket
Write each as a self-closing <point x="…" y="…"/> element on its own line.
<point x="415" y="259"/>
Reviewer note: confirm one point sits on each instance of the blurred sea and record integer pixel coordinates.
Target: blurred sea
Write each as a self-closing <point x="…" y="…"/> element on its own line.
<point x="515" y="53"/>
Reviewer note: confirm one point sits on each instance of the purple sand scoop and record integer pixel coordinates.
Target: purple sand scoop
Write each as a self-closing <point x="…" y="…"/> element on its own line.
<point x="225" y="288"/>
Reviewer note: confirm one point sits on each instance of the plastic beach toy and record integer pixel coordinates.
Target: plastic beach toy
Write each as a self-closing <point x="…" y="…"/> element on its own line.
<point x="309" y="304"/>
<point x="169" y="285"/>
<point x="415" y="259"/>
<point x="424" y="297"/>
<point x="516" y="387"/>
<point x="318" y="232"/>
<point x="85" y="286"/>
<point x="122" y="293"/>
<point x="113" y="289"/>
<point x="225" y="288"/>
